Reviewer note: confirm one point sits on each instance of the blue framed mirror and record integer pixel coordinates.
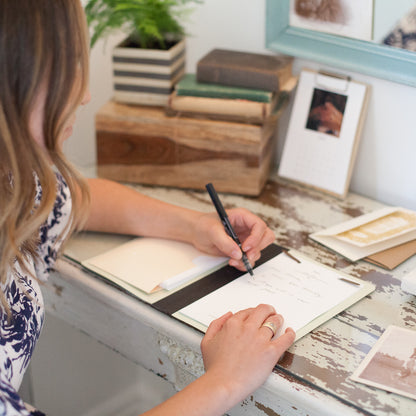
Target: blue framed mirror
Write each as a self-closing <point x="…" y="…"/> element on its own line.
<point x="368" y="58"/>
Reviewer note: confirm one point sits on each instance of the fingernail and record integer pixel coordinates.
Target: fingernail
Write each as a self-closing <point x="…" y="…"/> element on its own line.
<point x="236" y="254"/>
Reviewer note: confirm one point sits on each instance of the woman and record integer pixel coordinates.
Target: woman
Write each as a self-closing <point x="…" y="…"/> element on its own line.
<point x="43" y="72"/>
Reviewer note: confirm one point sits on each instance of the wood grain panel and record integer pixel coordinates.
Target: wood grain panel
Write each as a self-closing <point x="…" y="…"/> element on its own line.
<point x="143" y="145"/>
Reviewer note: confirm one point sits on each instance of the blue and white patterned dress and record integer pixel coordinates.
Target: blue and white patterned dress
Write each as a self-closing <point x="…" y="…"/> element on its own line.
<point x="18" y="335"/>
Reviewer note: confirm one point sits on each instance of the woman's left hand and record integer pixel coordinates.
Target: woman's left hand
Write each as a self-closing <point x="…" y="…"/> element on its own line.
<point x="211" y="237"/>
<point x="239" y="352"/>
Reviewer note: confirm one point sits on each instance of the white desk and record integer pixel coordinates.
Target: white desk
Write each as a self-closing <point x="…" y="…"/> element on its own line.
<point x="313" y="374"/>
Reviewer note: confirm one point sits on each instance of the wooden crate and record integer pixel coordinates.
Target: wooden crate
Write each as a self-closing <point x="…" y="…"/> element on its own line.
<point x="143" y="145"/>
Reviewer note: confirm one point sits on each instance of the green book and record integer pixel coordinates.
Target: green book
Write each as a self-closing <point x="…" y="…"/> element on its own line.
<point x="188" y="86"/>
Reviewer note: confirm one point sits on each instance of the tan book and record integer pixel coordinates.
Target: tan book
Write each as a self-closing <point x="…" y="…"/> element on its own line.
<point x="220" y="108"/>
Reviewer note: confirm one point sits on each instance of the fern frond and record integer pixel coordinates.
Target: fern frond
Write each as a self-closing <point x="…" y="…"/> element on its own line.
<point x="149" y="20"/>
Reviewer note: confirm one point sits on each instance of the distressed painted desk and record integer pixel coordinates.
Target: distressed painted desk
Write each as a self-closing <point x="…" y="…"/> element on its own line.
<point x="313" y="376"/>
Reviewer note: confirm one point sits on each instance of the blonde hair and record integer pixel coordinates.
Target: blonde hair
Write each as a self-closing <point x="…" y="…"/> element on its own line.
<point x="42" y="42"/>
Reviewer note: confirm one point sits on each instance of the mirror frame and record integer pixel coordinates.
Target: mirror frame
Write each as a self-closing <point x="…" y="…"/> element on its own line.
<point x="381" y="61"/>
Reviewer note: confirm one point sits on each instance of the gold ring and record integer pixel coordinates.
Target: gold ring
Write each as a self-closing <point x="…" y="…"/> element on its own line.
<point x="272" y="326"/>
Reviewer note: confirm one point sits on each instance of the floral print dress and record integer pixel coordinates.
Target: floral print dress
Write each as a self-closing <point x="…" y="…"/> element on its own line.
<point x="20" y="332"/>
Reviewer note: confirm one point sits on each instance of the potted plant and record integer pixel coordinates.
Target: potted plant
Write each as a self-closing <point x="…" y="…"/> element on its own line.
<point x="148" y="63"/>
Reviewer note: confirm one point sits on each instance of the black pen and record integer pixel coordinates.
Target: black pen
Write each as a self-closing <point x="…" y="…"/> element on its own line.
<point x="226" y="223"/>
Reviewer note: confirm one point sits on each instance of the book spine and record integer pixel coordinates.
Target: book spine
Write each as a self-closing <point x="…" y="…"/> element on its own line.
<point x="237" y="77"/>
<point x="225" y="107"/>
<point x="220" y="92"/>
<point x="255" y="95"/>
<point x="220" y="109"/>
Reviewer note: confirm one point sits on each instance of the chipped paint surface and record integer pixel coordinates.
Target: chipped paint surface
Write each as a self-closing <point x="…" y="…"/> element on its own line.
<point x="188" y="363"/>
<point x="327" y="356"/>
<point x="315" y="370"/>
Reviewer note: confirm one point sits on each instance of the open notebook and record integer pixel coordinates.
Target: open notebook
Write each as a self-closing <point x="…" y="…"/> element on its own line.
<point x="152" y="264"/>
<point x="306" y="293"/>
<point x="149" y="268"/>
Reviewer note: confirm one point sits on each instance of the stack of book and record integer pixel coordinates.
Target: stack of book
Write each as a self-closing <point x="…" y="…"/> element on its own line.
<point x="223" y="130"/>
<point x="234" y="86"/>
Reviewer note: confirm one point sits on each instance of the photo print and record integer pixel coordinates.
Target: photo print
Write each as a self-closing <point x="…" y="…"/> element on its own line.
<point x="333" y="11"/>
<point x="350" y="18"/>
<point x="324" y="130"/>
<point x="326" y="112"/>
<point x="391" y="363"/>
<point x="403" y="34"/>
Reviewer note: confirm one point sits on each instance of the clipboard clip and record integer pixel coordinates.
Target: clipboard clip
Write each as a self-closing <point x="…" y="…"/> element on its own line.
<point x="332" y="81"/>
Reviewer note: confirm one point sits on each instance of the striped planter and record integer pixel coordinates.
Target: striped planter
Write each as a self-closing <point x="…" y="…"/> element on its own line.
<point x="146" y="76"/>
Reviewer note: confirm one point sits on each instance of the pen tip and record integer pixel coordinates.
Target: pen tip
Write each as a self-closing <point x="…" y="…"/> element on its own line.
<point x="248" y="265"/>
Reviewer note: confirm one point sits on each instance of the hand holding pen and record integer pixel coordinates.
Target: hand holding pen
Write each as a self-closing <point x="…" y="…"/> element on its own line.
<point x="227" y="225"/>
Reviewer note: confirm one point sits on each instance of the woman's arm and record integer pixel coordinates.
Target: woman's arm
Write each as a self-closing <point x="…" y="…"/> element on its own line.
<point x="238" y="352"/>
<point x="119" y="209"/>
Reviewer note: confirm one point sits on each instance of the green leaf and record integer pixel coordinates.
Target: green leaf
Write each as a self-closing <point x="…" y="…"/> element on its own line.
<point x="149" y="20"/>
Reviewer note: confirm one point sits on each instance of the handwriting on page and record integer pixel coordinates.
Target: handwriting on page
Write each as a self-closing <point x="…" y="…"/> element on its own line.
<point x="299" y="291"/>
<point x="289" y="283"/>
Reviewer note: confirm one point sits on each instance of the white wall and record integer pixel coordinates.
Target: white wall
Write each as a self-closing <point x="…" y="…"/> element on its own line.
<point x="384" y="167"/>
